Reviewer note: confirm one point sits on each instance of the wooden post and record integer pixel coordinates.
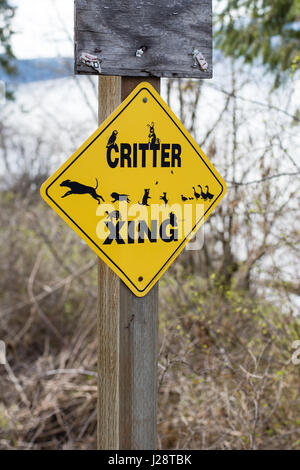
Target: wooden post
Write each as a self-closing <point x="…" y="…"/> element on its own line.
<point x="109" y="98"/>
<point x="127" y="335"/>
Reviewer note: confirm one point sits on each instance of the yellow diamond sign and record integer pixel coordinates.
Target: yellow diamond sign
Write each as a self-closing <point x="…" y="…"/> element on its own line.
<point x="137" y="190"/>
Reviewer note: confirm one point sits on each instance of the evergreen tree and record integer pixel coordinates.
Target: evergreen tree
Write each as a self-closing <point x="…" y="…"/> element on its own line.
<point x="6" y="54"/>
<point x="266" y="29"/>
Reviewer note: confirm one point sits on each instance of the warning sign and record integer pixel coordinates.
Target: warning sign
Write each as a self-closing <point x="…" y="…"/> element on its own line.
<point x="137" y="190"/>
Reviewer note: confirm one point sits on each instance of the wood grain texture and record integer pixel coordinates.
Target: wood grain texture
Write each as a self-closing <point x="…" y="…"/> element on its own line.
<point x="108" y="318"/>
<point x="138" y="369"/>
<point x="169" y="29"/>
<point x="127" y="332"/>
<point x="108" y="359"/>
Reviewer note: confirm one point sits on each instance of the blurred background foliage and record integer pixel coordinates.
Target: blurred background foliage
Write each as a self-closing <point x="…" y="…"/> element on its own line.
<point x="229" y="313"/>
<point x="6" y="15"/>
<point x="6" y="54"/>
<point x="267" y="30"/>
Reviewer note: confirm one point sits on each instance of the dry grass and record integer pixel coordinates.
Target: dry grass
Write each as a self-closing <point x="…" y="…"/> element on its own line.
<point x="225" y="376"/>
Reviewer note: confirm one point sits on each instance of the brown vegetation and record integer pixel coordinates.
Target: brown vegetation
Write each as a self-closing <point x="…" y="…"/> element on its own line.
<point x="228" y="313"/>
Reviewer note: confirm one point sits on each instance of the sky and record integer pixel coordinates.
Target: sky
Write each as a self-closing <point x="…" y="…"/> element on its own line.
<point x="43" y="28"/>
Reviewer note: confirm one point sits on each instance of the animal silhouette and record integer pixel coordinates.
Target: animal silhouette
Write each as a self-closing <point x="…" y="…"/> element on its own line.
<point x="197" y="195"/>
<point x="146" y="197"/>
<point x="183" y="198"/>
<point x="119" y="197"/>
<point x="203" y="194"/>
<point x="173" y="219"/>
<point x="152" y="135"/>
<point x="112" y="140"/>
<point x="78" y="188"/>
<point x="208" y="194"/>
<point x="113" y="215"/>
<point x="164" y="198"/>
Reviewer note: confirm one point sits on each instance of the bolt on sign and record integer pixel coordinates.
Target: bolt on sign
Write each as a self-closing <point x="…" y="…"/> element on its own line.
<point x="137" y="190"/>
<point x="141" y="38"/>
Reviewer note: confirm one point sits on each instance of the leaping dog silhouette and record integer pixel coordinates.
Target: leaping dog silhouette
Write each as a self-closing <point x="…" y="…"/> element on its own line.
<point x="78" y="188"/>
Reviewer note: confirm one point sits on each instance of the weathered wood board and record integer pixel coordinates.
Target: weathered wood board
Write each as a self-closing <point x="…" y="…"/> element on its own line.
<point x="167" y="31"/>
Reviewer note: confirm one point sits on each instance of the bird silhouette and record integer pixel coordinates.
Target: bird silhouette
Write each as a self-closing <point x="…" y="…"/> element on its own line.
<point x="183" y="198"/>
<point x="203" y="194"/>
<point x="197" y="195"/>
<point x="208" y="194"/>
<point x="164" y="198"/>
<point x="112" y="139"/>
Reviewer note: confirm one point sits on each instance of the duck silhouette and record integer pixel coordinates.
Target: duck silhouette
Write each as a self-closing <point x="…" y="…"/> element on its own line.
<point x="164" y="198"/>
<point x="197" y="195"/>
<point x="208" y="194"/>
<point x="183" y="198"/>
<point x="203" y="194"/>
